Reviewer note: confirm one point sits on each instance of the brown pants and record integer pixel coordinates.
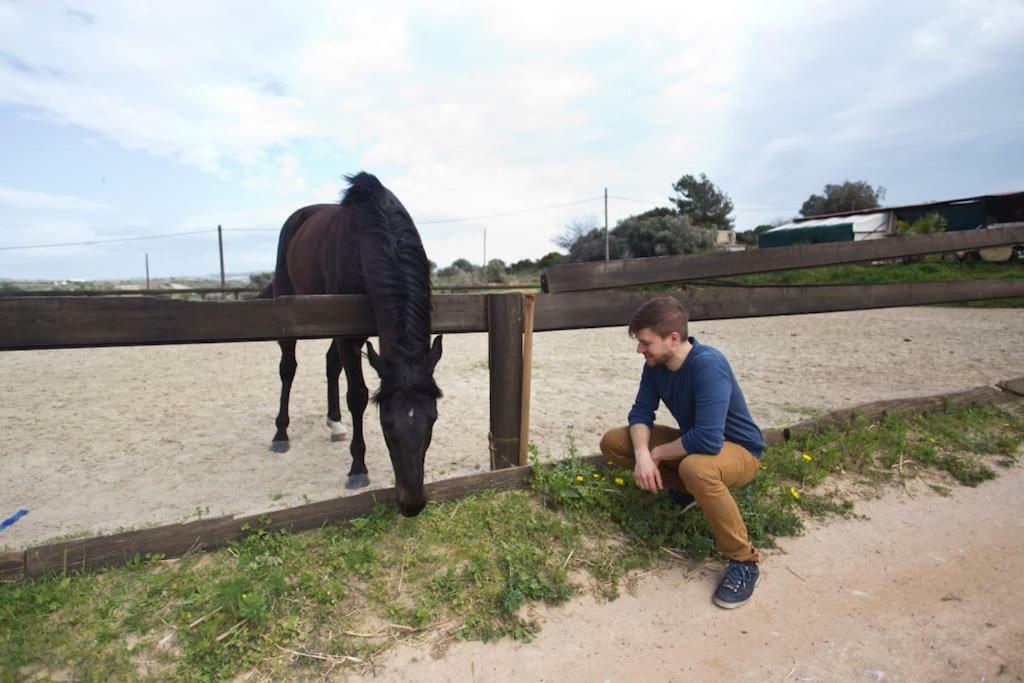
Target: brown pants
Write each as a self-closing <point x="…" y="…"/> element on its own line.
<point x="707" y="478"/>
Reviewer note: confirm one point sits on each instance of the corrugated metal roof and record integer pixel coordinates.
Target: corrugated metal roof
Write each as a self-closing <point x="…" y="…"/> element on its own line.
<point x="922" y="205"/>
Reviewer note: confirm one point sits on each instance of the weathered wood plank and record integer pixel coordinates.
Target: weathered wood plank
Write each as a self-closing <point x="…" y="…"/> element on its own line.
<point x="90" y="322"/>
<point x="575" y="277"/>
<point x="12" y="565"/>
<point x="70" y="323"/>
<point x="876" y="410"/>
<point x="30" y="293"/>
<point x="173" y="540"/>
<point x="505" y="362"/>
<point x="606" y="309"/>
<point x="1014" y="386"/>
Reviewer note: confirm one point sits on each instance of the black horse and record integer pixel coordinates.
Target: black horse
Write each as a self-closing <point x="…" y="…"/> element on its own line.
<point x="367" y="244"/>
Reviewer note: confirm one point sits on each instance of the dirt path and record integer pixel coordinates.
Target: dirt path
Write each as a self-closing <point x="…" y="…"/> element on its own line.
<point x="926" y="588"/>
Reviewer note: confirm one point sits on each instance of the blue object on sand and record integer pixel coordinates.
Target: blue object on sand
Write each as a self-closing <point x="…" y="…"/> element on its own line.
<point x="13" y="518"/>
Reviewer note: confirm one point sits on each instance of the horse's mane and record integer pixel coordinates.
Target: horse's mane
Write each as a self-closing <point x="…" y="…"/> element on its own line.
<point x="399" y="279"/>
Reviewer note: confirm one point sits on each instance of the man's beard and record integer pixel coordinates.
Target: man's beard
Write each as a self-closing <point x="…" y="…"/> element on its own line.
<point x="655" y="361"/>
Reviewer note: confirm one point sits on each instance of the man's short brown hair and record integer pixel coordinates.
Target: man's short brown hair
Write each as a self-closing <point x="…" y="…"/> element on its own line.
<point x="663" y="315"/>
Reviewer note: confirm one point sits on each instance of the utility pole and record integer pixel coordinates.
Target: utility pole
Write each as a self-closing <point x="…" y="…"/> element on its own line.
<point x="485" y="249"/>
<point x="607" y="255"/>
<point x="147" y="271"/>
<point x="220" y="245"/>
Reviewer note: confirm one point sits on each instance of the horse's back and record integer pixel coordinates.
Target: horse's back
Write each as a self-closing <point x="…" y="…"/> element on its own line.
<point x="318" y="254"/>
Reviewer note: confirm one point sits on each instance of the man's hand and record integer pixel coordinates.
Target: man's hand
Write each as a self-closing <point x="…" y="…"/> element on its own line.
<point x="646" y="473"/>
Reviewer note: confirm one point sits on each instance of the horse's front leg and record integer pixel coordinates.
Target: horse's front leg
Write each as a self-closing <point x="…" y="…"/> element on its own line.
<point x="287" y="368"/>
<point x="357" y="397"/>
<point x="338" y="431"/>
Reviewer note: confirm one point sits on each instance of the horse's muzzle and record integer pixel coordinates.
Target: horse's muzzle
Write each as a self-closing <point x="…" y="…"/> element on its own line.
<point x="411" y="509"/>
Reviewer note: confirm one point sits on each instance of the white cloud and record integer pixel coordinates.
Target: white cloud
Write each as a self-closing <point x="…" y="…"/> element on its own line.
<point x="469" y="109"/>
<point x="24" y="199"/>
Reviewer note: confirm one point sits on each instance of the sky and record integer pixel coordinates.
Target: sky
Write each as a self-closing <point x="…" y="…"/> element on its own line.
<point x="137" y="119"/>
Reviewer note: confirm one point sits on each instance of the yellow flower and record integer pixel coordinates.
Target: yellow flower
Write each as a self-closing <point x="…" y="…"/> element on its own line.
<point x="579" y="477"/>
<point x="619" y="481"/>
<point x="793" y="492"/>
<point x="596" y="475"/>
<point x="931" y="439"/>
<point x="807" y="457"/>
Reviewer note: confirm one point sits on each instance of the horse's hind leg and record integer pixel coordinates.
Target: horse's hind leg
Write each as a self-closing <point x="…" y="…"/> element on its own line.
<point x="338" y="431"/>
<point x="357" y="397"/>
<point x="287" y="370"/>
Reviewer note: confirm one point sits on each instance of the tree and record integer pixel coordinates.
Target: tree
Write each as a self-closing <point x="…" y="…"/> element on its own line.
<point x="522" y="266"/>
<point x="850" y="196"/>
<point x="260" y="280"/>
<point x="705" y="204"/>
<point x="550" y="259"/>
<point x="750" y="236"/>
<point x="585" y="241"/>
<point x="925" y="225"/>
<point x="661" y="234"/>
<point x="495" y="271"/>
<point x="463" y="265"/>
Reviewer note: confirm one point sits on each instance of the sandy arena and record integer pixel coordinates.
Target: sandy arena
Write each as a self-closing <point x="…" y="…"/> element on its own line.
<point x="96" y="440"/>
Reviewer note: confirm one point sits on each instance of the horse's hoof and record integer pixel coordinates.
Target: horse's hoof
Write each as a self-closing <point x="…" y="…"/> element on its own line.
<point x="338" y="431"/>
<point x="357" y="481"/>
<point x="280" y="446"/>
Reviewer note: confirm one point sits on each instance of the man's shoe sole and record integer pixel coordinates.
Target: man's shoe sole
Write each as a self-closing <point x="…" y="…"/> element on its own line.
<point x="734" y="605"/>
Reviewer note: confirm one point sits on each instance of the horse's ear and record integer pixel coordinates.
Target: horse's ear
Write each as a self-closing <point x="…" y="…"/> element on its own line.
<point x="375" y="360"/>
<point x="435" y="352"/>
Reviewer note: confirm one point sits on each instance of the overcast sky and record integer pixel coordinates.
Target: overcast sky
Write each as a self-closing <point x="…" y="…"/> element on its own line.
<point x="139" y="119"/>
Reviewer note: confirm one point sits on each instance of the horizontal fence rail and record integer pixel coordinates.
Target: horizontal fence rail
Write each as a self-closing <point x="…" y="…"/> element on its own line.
<point x="581" y="310"/>
<point x="576" y="277"/>
<point x="233" y="291"/>
<point x="51" y="323"/>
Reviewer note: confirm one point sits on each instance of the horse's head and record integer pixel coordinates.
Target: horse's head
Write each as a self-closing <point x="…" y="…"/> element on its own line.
<point x="407" y="401"/>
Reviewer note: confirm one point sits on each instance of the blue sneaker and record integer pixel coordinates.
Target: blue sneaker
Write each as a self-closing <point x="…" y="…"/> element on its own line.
<point x="737" y="585"/>
<point x="682" y="499"/>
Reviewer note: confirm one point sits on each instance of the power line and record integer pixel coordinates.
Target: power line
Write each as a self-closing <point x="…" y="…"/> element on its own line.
<point x="109" y="241"/>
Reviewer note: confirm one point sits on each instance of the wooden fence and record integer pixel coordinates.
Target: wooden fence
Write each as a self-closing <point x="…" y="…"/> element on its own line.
<point x="75" y="322"/>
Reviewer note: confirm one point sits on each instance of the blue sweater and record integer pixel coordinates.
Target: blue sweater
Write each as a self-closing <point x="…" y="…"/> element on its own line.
<point x="704" y="398"/>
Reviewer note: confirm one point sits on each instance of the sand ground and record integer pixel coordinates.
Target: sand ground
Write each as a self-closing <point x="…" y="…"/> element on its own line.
<point x="94" y="440"/>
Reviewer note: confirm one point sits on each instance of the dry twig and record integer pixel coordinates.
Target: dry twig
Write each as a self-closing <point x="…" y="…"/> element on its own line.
<point x="203" y="618"/>
<point x="334" y="659"/>
<point x="795" y="574"/>
<point x="230" y="630"/>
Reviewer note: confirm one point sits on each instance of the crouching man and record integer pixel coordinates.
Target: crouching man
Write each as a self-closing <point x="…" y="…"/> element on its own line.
<point x="715" y="447"/>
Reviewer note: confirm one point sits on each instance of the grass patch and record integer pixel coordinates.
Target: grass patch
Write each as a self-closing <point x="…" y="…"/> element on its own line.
<point x="468" y="569"/>
<point x="930" y="269"/>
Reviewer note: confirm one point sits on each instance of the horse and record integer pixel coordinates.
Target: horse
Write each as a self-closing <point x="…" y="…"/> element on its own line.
<point x="367" y="244"/>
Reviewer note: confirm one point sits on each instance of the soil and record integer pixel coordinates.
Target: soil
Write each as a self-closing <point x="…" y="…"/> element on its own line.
<point x="921" y="587"/>
<point x="95" y="440"/>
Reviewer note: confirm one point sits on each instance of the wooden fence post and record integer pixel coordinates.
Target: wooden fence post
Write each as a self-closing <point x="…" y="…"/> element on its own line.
<point x="505" y="360"/>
